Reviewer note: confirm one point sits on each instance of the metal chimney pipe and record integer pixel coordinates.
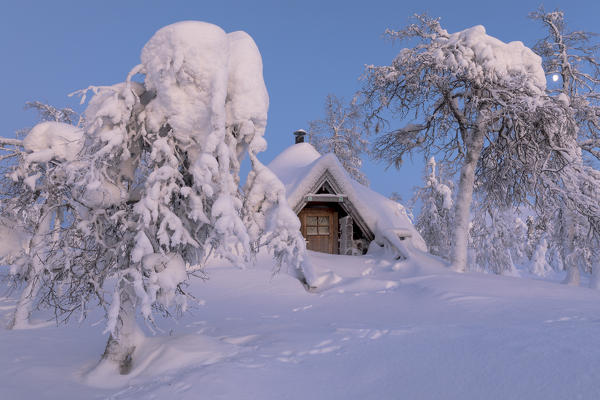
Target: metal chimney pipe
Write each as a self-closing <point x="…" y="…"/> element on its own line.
<point x="300" y="133"/>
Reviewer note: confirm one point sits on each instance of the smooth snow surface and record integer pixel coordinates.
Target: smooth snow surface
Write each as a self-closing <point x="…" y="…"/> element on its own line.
<point x="300" y="166"/>
<point x="377" y="329"/>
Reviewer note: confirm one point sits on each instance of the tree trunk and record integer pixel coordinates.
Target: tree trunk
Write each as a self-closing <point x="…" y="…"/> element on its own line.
<point x="573" y="277"/>
<point x="37" y="250"/>
<point x="595" y="279"/>
<point x="464" y="199"/>
<point x="26" y="302"/>
<point x="126" y="336"/>
<point x="570" y="261"/>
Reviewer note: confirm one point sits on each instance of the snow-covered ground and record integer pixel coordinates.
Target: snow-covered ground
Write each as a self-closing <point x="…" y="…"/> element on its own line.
<point x="376" y="329"/>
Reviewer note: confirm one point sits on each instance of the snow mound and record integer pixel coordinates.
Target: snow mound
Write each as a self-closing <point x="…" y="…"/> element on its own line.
<point x="482" y="57"/>
<point x="157" y="356"/>
<point x="53" y="140"/>
<point x="300" y="167"/>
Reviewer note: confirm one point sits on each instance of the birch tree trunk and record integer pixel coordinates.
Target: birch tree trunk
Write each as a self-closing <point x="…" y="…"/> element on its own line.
<point x="37" y="251"/>
<point x="595" y="279"/>
<point x="474" y="144"/>
<point x="123" y="341"/>
<point x="25" y="304"/>
<point x="570" y="261"/>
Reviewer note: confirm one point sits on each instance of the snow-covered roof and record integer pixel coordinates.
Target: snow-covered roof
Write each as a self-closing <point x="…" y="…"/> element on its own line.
<point x="301" y="167"/>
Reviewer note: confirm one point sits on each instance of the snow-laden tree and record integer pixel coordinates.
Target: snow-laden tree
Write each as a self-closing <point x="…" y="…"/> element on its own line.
<point x="498" y="240"/>
<point x="539" y="260"/>
<point x="572" y="57"/>
<point x="571" y="244"/>
<point x="435" y="219"/>
<point x="476" y="100"/>
<point x="340" y="132"/>
<point x="271" y="222"/>
<point x="151" y="191"/>
<point x="32" y="202"/>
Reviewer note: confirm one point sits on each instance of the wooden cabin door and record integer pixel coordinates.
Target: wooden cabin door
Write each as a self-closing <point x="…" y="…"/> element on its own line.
<point x="319" y="228"/>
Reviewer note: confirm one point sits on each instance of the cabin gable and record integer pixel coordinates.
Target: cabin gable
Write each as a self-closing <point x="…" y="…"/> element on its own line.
<point x="329" y="221"/>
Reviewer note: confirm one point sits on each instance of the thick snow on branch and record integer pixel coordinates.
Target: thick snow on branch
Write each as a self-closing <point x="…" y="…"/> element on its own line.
<point x="248" y="100"/>
<point x="53" y="140"/>
<point x="481" y="57"/>
<point x="186" y="65"/>
<point x="10" y="142"/>
<point x="195" y="68"/>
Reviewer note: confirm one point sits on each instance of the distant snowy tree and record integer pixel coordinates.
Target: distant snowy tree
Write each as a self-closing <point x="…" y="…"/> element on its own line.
<point x="539" y="261"/>
<point x="478" y="101"/>
<point x="571" y="245"/>
<point x="572" y="56"/>
<point x="147" y="190"/>
<point x="498" y="240"/>
<point x="32" y="202"/>
<point x="340" y="133"/>
<point x="435" y="219"/>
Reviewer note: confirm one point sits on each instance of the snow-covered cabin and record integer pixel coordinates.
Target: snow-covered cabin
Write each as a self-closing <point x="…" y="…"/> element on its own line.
<point x="339" y="215"/>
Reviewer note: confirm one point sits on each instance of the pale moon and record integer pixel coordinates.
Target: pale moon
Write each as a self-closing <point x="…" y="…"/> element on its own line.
<point x="555" y="77"/>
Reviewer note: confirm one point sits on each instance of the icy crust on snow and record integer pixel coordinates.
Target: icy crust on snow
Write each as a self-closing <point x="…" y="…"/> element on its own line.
<point x="482" y="57"/>
<point x="300" y="166"/>
<point x="53" y="140"/>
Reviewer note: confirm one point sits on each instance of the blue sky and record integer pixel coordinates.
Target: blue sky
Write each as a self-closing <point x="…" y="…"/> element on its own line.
<point x="309" y="48"/>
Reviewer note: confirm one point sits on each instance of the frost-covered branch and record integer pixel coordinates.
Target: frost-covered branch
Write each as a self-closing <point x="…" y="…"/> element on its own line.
<point x="10" y="142"/>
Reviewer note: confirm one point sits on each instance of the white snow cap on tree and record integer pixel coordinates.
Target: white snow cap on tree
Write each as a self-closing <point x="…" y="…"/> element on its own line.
<point x="248" y="100"/>
<point x="479" y="56"/>
<point x="195" y="68"/>
<point x="186" y="65"/>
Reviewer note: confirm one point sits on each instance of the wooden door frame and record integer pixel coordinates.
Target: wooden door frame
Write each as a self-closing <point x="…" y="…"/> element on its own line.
<point x="333" y="224"/>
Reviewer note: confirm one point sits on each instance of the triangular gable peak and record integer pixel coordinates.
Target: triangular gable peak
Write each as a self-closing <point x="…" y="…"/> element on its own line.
<point x="327" y="190"/>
